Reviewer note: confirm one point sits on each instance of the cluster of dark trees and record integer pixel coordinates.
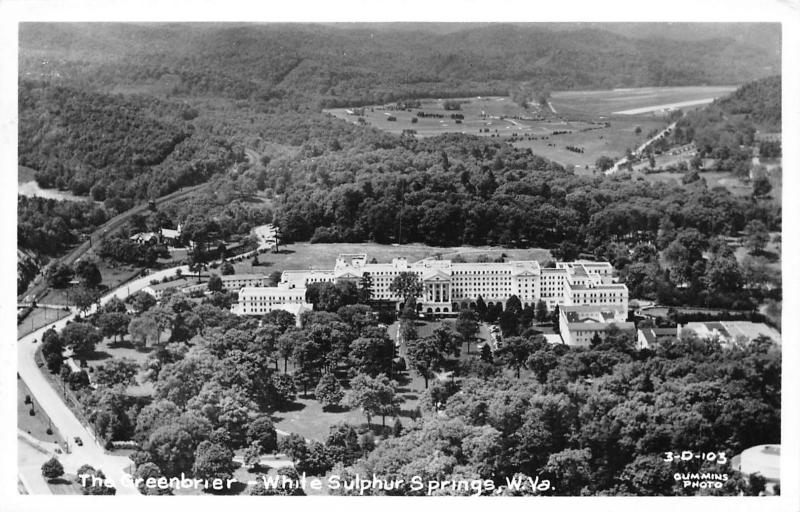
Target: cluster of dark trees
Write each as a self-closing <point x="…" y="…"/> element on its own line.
<point x="49" y="227"/>
<point x="290" y="66"/>
<point x="594" y="421"/>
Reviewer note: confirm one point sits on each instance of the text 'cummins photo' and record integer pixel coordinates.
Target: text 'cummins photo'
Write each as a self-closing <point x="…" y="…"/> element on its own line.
<point x="399" y="259"/>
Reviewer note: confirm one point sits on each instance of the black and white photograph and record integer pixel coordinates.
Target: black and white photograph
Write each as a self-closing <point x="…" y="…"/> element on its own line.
<point x="454" y="256"/>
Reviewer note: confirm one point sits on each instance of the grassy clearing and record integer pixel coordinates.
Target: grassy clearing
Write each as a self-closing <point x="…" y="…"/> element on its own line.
<point x="611" y="141"/>
<point x="323" y="256"/>
<point x="38" y="424"/>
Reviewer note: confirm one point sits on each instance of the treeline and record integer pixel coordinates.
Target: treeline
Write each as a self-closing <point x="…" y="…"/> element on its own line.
<point x="116" y="149"/>
<point x="292" y="63"/>
<point x="457" y="189"/>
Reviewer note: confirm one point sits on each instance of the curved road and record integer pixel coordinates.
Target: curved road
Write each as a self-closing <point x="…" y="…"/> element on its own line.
<point x="62" y="417"/>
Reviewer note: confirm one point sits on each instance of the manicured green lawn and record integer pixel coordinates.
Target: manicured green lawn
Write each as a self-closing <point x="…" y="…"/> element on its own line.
<point x="37" y="424"/>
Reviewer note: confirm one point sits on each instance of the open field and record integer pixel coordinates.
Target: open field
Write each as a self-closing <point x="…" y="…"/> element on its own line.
<point x="38" y="424"/>
<point x="639" y="100"/>
<point x="323" y="256"/>
<point x="611" y="141"/>
<point x="580" y="114"/>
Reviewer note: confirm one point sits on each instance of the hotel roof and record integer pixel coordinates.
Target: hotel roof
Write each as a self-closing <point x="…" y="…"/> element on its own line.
<point x="597" y="326"/>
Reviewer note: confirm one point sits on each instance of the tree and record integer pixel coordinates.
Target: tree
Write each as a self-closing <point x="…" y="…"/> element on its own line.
<point x="116" y="372"/>
<point x="287" y="342"/>
<point x="115" y="305"/>
<point x="604" y="163"/>
<point x="52" y="469"/>
<point x="83" y="298"/>
<point x="373" y="396"/>
<point x="756" y="236"/>
<point x="486" y="354"/>
<point x="515" y="352"/>
<point x="93" y="482"/>
<point x="541" y="311"/>
<point x="480" y="308"/>
<point x="142" y="301"/>
<point x="397" y="427"/>
<point x="214" y="283"/>
<point x="113" y="324"/>
<point x="197" y="261"/>
<point x="212" y="461"/>
<point x="723" y="275"/>
<point x="342" y="444"/>
<point x="86" y="270"/>
<point x="293" y="446"/>
<point x="58" y="274"/>
<point x="316" y="460"/>
<point x="52" y="350"/>
<point x="228" y="408"/>
<point x="467" y="326"/>
<point x="329" y="391"/>
<point x="281" y="319"/>
<point x="285" y="388"/>
<point x="227" y="269"/>
<point x="425" y="357"/>
<point x="761" y="186"/>
<point x="372" y="355"/>
<point x="365" y="287"/>
<point x="571" y="469"/>
<point x="146" y="471"/>
<point x="406" y="285"/>
<point x="81" y="337"/>
<point x="144" y="330"/>
<point x="252" y="456"/>
<point x="261" y="432"/>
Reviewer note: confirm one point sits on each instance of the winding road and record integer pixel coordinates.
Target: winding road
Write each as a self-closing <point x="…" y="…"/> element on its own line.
<point x="63" y="418"/>
<point x="92" y="452"/>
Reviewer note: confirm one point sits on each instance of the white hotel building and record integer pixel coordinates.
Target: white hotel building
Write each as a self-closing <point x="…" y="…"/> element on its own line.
<point x="449" y="286"/>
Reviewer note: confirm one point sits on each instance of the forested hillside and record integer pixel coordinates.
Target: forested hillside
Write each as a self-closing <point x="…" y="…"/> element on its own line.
<point x="725" y="130"/>
<point x="116" y="148"/>
<point x="284" y="64"/>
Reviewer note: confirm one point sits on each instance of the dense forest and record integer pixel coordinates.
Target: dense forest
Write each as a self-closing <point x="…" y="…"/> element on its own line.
<point x="288" y="65"/>
<point x="592" y="422"/>
<point x="118" y="149"/>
